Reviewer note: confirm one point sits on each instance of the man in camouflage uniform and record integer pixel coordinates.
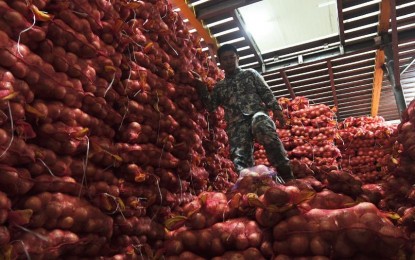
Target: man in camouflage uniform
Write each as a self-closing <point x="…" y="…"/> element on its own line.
<point x="246" y="98"/>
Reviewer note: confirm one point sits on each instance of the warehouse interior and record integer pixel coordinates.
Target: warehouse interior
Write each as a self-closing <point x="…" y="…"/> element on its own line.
<point x="118" y="143"/>
<point x="339" y="62"/>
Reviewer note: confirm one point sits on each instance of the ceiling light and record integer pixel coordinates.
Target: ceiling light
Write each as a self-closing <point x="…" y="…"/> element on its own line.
<point x="199" y="2"/>
<point x="243" y="48"/>
<point x="226" y="32"/>
<point x="246" y="57"/>
<point x="405" y="5"/>
<point x="219" y="22"/>
<point x="361" y="5"/>
<point x="249" y="64"/>
<point x="233" y="41"/>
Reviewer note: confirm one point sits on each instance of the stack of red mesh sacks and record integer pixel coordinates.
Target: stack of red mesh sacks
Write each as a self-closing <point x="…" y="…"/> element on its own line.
<point x="308" y="137"/>
<point x="101" y="132"/>
<point x="366" y="144"/>
<point x="400" y="187"/>
<point x="260" y="219"/>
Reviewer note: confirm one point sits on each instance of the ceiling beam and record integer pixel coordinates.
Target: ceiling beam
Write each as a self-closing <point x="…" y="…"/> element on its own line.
<point x="383" y="27"/>
<point x="226" y="6"/>
<point x="341" y="23"/>
<point x="201" y="30"/>
<point x="333" y="87"/>
<point x="394" y="62"/>
<point x="248" y="37"/>
<point x="287" y="84"/>
<point x="354" y="48"/>
<point x="377" y="81"/>
<point x="384" y="16"/>
<point x="390" y="47"/>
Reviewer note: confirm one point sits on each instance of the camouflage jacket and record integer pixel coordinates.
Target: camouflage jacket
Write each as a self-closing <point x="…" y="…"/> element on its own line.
<point x="243" y="93"/>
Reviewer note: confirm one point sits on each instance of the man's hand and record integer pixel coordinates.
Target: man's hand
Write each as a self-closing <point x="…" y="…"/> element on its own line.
<point x="278" y="115"/>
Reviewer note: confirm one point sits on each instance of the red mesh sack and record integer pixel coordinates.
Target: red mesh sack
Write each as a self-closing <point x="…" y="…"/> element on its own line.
<point x="361" y="230"/>
<point x="58" y="210"/>
<point x="41" y="243"/>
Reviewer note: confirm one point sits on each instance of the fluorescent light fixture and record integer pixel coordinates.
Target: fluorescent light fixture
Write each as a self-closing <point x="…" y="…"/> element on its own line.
<point x="205" y="49"/>
<point x="361" y="17"/>
<point x="360" y="27"/>
<point x="351" y="77"/>
<point x="349" y="82"/>
<point x="362" y="37"/>
<point x="271" y="74"/>
<point x="226" y="32"/>
<point x="326" y="4"/>
<point x="323" y="90"/>
<point x="313" y="84"/>
<point x="407" y="51"/>
<point x="310" y="78"/>
<point x="219" y="22"/>
<point x="351" y="111"/>
<point x="199" y="2"/>
<point x="271" y="80"/>
<point x="403" y="60"/>
<point x="351" y="63"/>
<point x="246" y="57"/>
<point x="405" y="26"/>
<point x="305" y="73"/>
<point x="405" y="5"/>
<point x="243" y="48"/>
<point x="361" y="5"/>
<point x="249" y="64"/>
<point x="405" y="16"/>
<point x="359" y="68"/>
<point x="306" y="66"/>
<point x="279" y="85"/>
<point x="233" y="41"/>
<point x="354" y="101"/>
<point x="354" y="55"/>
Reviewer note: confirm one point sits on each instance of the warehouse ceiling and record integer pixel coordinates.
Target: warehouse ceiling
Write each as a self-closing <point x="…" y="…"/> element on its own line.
<point x="282" y="24"/>
<point x="325" y="50"/>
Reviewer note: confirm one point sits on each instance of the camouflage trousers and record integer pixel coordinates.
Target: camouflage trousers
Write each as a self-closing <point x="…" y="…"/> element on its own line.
<point x="261" y="128"/>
